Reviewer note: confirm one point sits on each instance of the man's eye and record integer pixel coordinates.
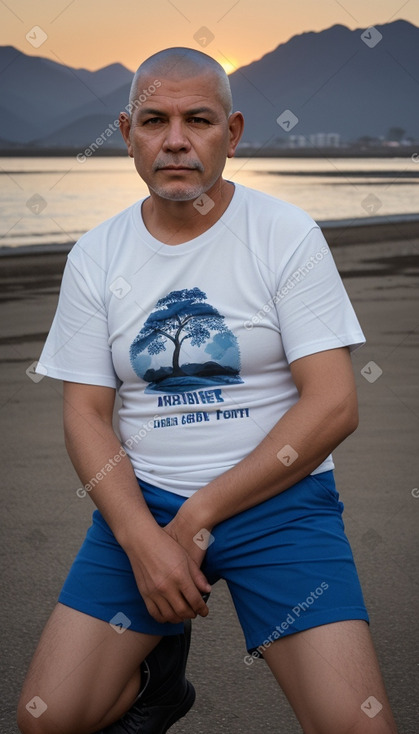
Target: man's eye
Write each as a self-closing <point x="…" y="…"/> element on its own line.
<point x="199" y="120"/>
<point x="152" y="121"/>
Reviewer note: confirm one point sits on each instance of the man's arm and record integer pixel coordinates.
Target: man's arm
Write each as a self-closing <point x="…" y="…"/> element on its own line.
<point x="168" y="579"/>
<point x="324" y="415"/>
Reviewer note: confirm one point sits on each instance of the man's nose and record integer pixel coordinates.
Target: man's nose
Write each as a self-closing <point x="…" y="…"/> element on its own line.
<point x="176" y="138"/>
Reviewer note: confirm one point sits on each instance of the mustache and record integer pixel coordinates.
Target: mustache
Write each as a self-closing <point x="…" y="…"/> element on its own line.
<point x="162" y="163"/>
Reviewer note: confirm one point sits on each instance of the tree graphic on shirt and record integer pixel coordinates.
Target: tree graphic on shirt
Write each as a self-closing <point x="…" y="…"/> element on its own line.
<point x="179" y="317"/>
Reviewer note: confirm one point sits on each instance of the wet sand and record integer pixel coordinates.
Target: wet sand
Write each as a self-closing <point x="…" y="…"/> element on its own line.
<point x="43" y="521"/>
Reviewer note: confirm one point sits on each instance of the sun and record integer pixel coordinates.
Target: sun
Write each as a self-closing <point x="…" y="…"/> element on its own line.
<point x="229" y="65"/>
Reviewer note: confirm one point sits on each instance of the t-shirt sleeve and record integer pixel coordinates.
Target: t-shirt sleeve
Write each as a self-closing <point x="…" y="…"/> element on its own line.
<point x="314" y="311"/>
<point x="77" y="347"/>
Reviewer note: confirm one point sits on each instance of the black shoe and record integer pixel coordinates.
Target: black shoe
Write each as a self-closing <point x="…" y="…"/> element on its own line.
<point x="165" y="694"/>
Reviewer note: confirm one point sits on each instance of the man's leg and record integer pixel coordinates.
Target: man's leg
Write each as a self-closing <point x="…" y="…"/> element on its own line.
<point x="331" y="678"/>
<point x="84" y="675"/>
<point x="166" y="695"/>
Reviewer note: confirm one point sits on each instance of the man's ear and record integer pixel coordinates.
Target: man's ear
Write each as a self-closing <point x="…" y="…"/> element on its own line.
<point x="125" y="128"/>
<point x="236" y="127"/>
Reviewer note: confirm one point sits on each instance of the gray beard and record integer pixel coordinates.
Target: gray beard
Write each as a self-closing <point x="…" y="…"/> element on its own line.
<point x="188" y="193"/>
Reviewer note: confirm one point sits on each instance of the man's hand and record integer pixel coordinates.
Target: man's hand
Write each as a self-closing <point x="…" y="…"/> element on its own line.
<point x="183" y="530"/>
<point x="168" y="579"/>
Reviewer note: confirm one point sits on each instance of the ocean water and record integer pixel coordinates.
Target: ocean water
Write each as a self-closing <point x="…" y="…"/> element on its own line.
<point x="47" y="201"/>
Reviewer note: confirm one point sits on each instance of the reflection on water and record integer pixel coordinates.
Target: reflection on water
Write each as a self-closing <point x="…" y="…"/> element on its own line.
<point x="55" y="200"/>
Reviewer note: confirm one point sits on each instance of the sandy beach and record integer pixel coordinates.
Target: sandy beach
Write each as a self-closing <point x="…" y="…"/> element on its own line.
<point x="44" y="521"/>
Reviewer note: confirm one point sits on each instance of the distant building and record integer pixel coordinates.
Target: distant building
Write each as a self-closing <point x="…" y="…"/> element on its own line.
<point x="333" y="140"/>
<point x="298" y="141"/>
<point x="315" y="140"/>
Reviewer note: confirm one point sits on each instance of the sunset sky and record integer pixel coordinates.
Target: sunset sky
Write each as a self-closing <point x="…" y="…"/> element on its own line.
<point x="94" y="33"/>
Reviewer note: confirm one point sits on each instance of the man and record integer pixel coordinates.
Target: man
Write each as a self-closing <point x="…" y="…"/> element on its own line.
<point x="218" y="315"/>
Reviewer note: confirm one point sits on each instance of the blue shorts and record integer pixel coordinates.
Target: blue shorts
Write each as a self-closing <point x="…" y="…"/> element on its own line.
<point x="287" y="563"/>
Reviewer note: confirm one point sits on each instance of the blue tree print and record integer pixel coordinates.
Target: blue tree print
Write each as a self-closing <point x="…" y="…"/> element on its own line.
<point x="180" y="319"/>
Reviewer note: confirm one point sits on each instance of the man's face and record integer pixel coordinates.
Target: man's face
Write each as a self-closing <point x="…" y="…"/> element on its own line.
<point x="180" y="137"/>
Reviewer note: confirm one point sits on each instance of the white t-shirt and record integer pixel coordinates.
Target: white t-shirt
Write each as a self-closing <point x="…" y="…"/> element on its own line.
<point x="198" y="337"/>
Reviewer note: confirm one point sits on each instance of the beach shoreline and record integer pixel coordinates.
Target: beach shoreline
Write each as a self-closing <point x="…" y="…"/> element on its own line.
<point x="35" y="262"/>
<point x="243" y="151"/>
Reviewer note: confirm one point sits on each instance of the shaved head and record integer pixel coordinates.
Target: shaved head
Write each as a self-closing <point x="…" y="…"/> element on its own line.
<point x="181" y="63"/>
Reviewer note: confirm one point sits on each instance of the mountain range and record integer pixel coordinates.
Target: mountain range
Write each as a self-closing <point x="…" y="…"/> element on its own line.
<point x="350" y="82"/>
